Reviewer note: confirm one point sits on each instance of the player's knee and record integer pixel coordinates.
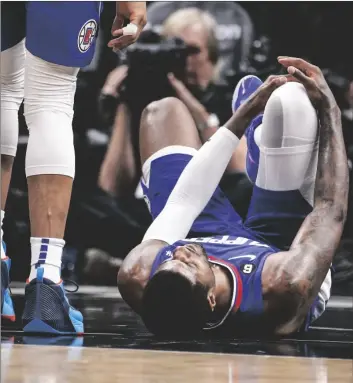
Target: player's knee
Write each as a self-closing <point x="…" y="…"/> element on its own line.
<point x="162" y="109"/>
<point x="50" y="148"/>
<point x="289" y="117"/>
<point x="160" y="115"/>
<point x="167" y="103"/>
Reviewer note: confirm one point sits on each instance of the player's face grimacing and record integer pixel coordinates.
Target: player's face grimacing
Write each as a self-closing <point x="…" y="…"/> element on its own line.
<point x="180" y="297"/>
<point x="191" y="261"/>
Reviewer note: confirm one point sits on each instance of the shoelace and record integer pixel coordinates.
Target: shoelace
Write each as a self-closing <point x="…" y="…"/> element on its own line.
<point x="65" y="281"/>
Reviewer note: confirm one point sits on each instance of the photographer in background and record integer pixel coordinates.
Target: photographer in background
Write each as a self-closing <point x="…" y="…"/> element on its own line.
<point x="197" y="87"/>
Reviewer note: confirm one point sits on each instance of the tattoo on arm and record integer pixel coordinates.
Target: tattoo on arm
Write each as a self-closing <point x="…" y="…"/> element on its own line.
<point x="313" y="249"/>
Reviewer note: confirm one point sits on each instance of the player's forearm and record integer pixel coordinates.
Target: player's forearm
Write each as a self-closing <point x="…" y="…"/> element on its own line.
<point x="238" y="123"/>
<point x="237" y="161"/>
<point x="194" y="189"/>
<point x="317" y="240"/>
<point x="326" y="221"/>
<point x="331" y="187"/>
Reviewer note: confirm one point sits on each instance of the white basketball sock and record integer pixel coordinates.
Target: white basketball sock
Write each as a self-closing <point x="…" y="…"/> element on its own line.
<point x="46" y="253"/>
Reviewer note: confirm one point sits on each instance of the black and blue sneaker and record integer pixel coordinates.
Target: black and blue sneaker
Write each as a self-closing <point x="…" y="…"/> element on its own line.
<point x="47" y="309"/>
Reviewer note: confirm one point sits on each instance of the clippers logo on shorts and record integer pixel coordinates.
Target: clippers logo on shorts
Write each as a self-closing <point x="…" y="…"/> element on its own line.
<point x="86" y="35"/>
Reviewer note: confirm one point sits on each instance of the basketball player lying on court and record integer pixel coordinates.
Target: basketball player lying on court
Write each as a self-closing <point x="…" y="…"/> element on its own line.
<point x="199" y="266"/>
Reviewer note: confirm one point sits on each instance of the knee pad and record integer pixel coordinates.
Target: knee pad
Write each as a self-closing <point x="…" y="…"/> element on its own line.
<point x="49" y="97"/>
<point x="289" y="118"/>
<point x="288" y="143"/>
<point x="12" y="92"/>
<point x="50" y="148"/>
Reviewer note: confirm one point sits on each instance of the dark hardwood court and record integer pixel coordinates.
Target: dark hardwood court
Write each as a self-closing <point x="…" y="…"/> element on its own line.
<point x="117" y="348"/>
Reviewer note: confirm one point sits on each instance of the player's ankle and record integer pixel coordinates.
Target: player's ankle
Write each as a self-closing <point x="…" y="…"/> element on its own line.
<point x="50" y="272"/>
<point x="46" y="253"/>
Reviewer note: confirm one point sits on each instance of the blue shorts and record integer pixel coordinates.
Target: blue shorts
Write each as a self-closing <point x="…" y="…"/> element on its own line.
<point x="276" y="216"/>
<point x="218" y="217"/>
<point x="273" y="217"/>
<point x="61" y="32"/>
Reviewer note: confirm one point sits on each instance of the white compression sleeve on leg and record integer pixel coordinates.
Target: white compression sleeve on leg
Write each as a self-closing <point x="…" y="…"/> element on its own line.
<point x="288" y="143"/>
<point x="12" y="92"/>
<point x="194" y="188"/>
<point x="49" y="98"/>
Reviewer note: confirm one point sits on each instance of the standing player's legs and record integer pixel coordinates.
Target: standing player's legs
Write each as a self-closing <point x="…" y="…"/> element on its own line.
<point x="12" y="91"/>
<point x="52" y="64"/>
<point x="168" y="140"/>
<point x="50" y="158"/>
<point x="284" y="189"/>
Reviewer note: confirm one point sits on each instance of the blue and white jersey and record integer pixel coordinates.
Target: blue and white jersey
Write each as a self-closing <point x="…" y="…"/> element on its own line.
<point x="244" y="259"/>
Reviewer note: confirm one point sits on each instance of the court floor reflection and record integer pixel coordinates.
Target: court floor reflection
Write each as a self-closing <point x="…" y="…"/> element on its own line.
<point x="110" y="323"/>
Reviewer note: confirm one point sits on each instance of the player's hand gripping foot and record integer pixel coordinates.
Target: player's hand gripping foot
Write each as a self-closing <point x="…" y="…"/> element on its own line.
<point x="255" y="104"/>
<point x="244" y="89"/>
<point x="251" y="95"/>
<point x="7" y="309"/>
<point x="47" y="309"/>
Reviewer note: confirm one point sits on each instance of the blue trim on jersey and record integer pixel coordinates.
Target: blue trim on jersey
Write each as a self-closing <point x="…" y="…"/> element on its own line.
<point x="237" y="292"/>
